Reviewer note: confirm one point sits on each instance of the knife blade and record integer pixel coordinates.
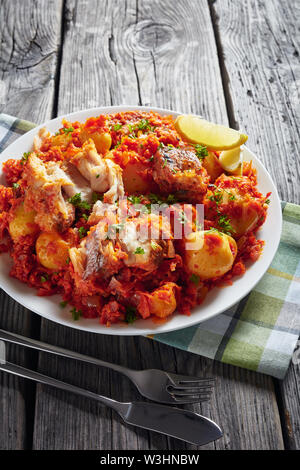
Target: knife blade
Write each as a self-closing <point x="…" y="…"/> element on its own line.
<point x="175" y="422"/>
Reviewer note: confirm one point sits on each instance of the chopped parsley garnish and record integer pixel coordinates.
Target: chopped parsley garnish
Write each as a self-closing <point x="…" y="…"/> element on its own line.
<point x="85" y="216"/>
<point x="223" y="220"/>
<point x="15" y="185"/>
<point x="216" y="197"/>
<point x="44" y="278"/>
<point x="171" y="199"/>
<point x="25" y="157"/>
<point x="63" y="303"/>
<point x="97" y="197"/>
<point x="139" y="251"/>
<point x="97" y="176"/>
<point x="154" y="198"/>
<point x="85" y="205"/>
<point x="194" y="279"/>
<point x="77" y="202"/>
<point x="225" y="225"/>
<point x="82" y="232"/>
<point x="267" y="201"/>
<point x="68" y="260"/>
<point x="76" y="314"/>
<point x="134" y="199"/>
<point x="130" y="314"/>
<point x="144" y="125"/>
<point x="201" y="151"/>
<point x="67" y="130"/>
<point x="117" y="127"/>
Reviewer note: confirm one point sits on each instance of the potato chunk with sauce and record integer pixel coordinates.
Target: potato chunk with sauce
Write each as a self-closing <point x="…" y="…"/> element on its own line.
<point x="22" y="223"/>
<point x="235" y="199"/>
<point x="102" y="140"/>
<point x="162" y="301"/>
<point x="52" y="250"/>
<point x="133" y="179"/>
<point x="212" y="166"/>
<point x="211" y="253"/>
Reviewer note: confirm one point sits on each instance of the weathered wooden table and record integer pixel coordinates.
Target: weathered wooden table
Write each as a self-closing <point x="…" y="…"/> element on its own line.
<point x="234" y="62"/>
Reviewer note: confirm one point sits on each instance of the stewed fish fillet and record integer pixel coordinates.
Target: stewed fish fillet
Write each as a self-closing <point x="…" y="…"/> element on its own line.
<point x="103" y="174"/>
<point x="45" y="181"/>
<point x="39" y="139"/>
<point x="53" y="183"/>
<point x="179" y="171"/>
<point x="110" y="245"/>
<point x="78" y="184"/>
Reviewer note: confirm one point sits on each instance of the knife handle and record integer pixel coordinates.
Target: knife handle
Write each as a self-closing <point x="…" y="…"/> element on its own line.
<point x="14" y="369"/>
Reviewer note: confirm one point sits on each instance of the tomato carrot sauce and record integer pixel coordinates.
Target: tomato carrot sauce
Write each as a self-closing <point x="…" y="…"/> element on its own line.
<point x="133" y="138"/>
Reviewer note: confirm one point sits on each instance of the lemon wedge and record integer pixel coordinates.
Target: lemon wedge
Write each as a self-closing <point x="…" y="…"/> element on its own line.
<point x="231" y="160"/>
<point x="214" y="136"/>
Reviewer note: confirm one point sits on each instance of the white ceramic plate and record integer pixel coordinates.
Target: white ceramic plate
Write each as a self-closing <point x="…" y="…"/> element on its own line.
<point x="217" y="300"/>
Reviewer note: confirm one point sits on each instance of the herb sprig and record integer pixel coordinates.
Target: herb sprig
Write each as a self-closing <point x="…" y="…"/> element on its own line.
<point x="223" y="220"/>
<point x="25" y="157"/>
<point x="139" y="251"/>
<point x="68" y="130"/>
<point x="76" y="314"/>
<point x="131" y="315"/>
<point x="201" y="151"/>
<point x="79" y="203"/>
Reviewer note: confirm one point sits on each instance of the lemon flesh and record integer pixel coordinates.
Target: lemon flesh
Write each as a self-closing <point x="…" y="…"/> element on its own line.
<point x="211" y="135"/>
<point x="231" y="160"/>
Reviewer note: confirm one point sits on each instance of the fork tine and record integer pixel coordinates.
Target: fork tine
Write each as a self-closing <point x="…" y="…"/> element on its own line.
<point x="199" y="381"/>
<point x="174" y="388"/>
<point x="191" y="399"/>
<point x="192" y="392"/>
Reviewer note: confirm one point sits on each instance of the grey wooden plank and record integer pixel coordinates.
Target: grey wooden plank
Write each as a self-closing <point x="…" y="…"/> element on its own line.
<point x="290" y="393"/>
<point x="261" y="46"/>
<point x="156" y="53"/>
<point x="29" y="37"/>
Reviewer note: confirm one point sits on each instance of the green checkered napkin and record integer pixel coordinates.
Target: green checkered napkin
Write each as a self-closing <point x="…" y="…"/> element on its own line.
<point x="260" y="332"/>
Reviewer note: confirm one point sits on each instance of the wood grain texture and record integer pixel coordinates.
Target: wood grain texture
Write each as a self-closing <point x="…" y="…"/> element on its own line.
<point x="29" y="38"/>
<point x="143" y="52"/>
<point x="260" y="42"/>
<point x="289" y="391"/>
<point x="261" y="46"/>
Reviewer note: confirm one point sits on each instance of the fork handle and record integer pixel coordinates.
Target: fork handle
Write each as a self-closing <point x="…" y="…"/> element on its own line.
<point x="14" y="369"/>
<point x="50" y="348"/>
